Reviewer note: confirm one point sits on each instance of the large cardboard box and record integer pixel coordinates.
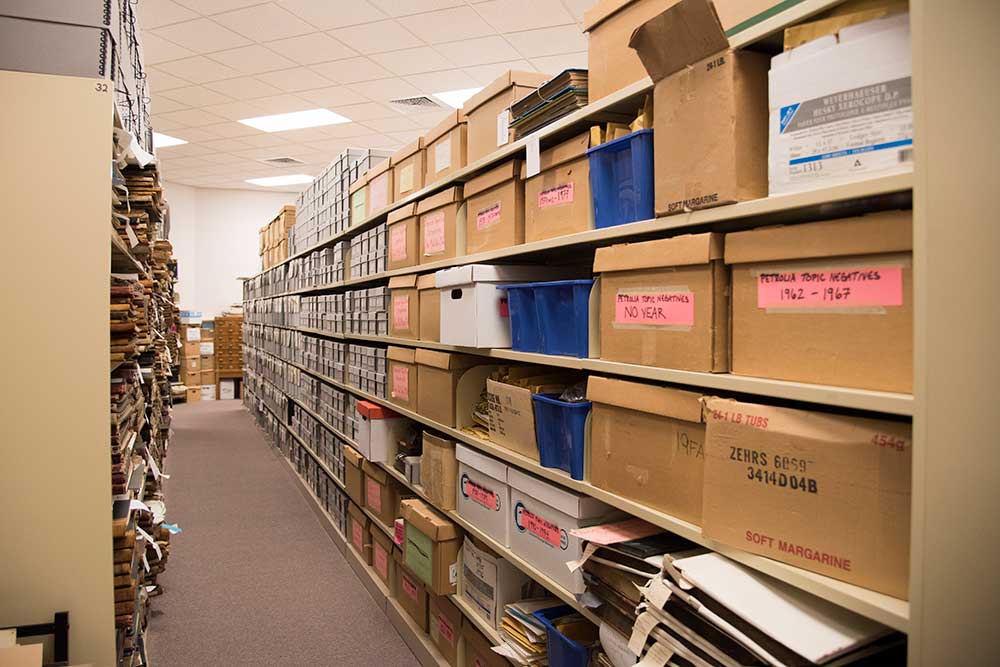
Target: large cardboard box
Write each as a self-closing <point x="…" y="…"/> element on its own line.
<point x="193" y="394"/>
<point x="358" y="533"/>
<point x="488" y="111"/>
<point x="404" y="313"/>
<point x="557" y="200"/>
<point x="431" y="548"/>
<point x="192" y="364"/>
<point x="410" y="592"/>
<point x="647" y="444"/>
<point x="207" y="362"/>
<point x="380" y="190"/>
<point x="825" y="302"/>
<point x="382" y="561"/>
<point x="827" y="493"/>
<point x="709" y="110"/>
<point x="512" y="418"/>
<point x="483" y="494"/>
<point x="430" y="308"/>
<point x="408" y="166"/>
<point x="403" y="376"/>
<point x="354" y="477"/>
<point x="478" y="649"/>
<point x="439" y="470"/>
<point x="446" y="146"/>
<point x="382" y="493"/>
<point x="445" y="627"/>
<point x="449" y="385"/>
<point x="663" y="303"/>
<point x="192" y="348"/>
<point x="442" y="225"/>
<point x="488" y="582"/>
<point x="403" y="238"/>
<point x="379" y="429"/>
<point x="495" y="202"/>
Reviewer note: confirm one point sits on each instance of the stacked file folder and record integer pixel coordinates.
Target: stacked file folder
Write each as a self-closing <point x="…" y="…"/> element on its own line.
<point x="557" y="97"/>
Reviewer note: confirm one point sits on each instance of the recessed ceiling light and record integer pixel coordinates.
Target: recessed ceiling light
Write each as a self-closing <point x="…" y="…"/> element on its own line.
<point x="163" y="140"/>
<point x="272" y="181"/>
<point x="295" y="120"/>
<point x="456" y="98"/>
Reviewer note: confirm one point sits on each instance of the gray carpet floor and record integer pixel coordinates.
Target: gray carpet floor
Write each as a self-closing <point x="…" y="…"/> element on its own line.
<point x="254" y="579"/>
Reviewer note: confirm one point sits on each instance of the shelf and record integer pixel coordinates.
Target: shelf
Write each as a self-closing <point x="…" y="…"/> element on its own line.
<point x="489" y="631"/>
<point x="769" y="22"/>
<point x="120" y="253"/>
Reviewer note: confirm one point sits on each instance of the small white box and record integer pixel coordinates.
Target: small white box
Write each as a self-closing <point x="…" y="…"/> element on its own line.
<point x="473" y="311"/>
<point x="208" y="392"/>
<point x="379" y="429"/>
<point x="193" y="334"/>
<point x="541" y="517"/>
<point x="207" y="348"/>
<point x="488" y="583"/>
<point x="227" y="390"/>
<point x="483" y="496"/>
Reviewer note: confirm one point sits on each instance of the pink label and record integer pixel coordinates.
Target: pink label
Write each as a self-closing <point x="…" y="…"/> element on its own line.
<point x="401" y="312"/>
<point x="381" y="559"/>
<point x="401" y="383"/>
<point x="433" y="228"/>
<point x="400" y="532"/>
<point x="397" y="243"/>
<point x="561" y="194"/>
<point x="480" y="494"/>
<point x="357" y="536"/>
<point x="655" y="309"/>
<point x="378" y="194"/>
<point x="540" y="528"/>
<point x="410" y="588"/>
<point x="445" y="630"/>
<point x="839" y="288"/>
<point x="488" y="217"/>
<point x="373" y="495"/>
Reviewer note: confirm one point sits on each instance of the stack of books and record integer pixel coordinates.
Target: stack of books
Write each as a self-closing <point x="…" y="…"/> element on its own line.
<point x="523" y="634"/>
<point x="561" y="95"/>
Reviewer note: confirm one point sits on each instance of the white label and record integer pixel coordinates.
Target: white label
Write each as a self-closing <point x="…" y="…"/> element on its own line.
<point x="534" y="160"/>
<point x="442" y="155"/>
<point x="132" y="238"/>
<point x="503" y="127"/>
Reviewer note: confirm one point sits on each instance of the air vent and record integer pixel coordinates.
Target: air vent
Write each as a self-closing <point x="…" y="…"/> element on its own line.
<point x="421" y="101"/>
<point x="281" y="161"/>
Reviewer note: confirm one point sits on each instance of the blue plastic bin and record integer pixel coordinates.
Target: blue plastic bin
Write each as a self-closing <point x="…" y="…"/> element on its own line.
<point x="550" y="317"/>
<point x="525" y="331"/>
<point x="559" y="429"/>
<point x="621" y="179"/>
<point x="563" y="651"/>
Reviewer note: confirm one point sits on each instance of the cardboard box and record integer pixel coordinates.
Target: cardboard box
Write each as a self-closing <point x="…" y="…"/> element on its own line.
<point x="379" y="429"/>
<point x="382" y="561"/>
<point x="827" y="493"/>
<point x="488" y="582"/>
<point x="359" y="199"/>
<point x="207" y="377"/>
<point x="495" y="202"/>
<point x="404" y="247"/>
<point x="354" y="478"/>
<point x="488" y="111"/>
<point x="647" y="444"/>
<point x="478" y="649"/>
<point x="403" y="376"/>
<point x="663" y="303"/>
<point x="449" y="385"/>
<point x="207" y="362"/>
<point x="359" y="533"/>
<point x="381" y="493"/>
<point x="442" y="225"/>
<point x="709" y="110"/>
<point x="825" y="302"/>
<point x="557" y="200"/>
<point x="379" y="188"/>
<point x="193" y="394"/>
<point x="207" y="347"/>
<point x="404" y="313"/>
<point x="431" y="549"/>
<point x="430" y="308"/>
<point x="840" y="107"/>
<point x="438" y="470"/>
<point x="192" y="348"/>
<point x="512" y="418"/>
<point x="445" y="627"/>
<point x="411" y="593"/>
<point x="483" y="495"/>
<point x="408" y="167"/>
<point x="208" y="392"/>
<point x="446" y="146"/>
<point x="192" y="364"/>
<point x="543" y="516"/>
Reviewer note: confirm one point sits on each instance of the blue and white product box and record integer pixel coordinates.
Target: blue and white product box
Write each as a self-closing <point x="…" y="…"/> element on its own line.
<point x="840" y="107"/>
<point x="482" y="496"/>
<point x="542" y="516"/>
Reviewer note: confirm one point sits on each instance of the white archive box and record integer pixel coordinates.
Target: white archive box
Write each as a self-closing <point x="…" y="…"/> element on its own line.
<point x="473" y="311"/>
<point x="541" y="517"/>
<point x="489" y="582"/>
<point x="208" y="392"/>
<point x="227" y="390"/>
<point x="840" y="107"/>
<point x="379" y="429"/>
<point x="483" y="496"/>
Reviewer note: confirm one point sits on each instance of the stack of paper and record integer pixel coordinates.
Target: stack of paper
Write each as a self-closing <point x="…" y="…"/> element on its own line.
<point x="562" y="94"/>
<point x="523" y="634"/>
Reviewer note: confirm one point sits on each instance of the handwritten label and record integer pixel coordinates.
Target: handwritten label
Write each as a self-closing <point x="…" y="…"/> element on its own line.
<point x="432" y="225"/>
<point x="406" y="178"/>
<point x="838" y="288"/>
<point x="410" y="588"/>
<point x="378" y="194"/>
<point x="357" y="536"/>
<point x="480" y="494"/>
<point x="381" y="559"/>
<point x="557" y="196"/>
<point x="401" y="312"/>
<point x="655" y="308"/>
<point x="540" y="528"/>
<point x="445" y="630"/>
<point x="397" y="243"/>
<point x="401" y="383"/>
<point x="373" y="495"/>
<point x="442" y="155"/>
<point x="488" y="217"/>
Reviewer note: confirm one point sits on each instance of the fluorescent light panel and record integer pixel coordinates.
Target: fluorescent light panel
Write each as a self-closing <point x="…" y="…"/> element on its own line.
<point x="456" y="98"/>
<point x="273" y="181"/>
<point x="295" y="120"/>
<point x="164" y="140"/>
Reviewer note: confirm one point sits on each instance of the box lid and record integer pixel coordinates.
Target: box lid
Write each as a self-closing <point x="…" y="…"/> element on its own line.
<point x="568" y="502"/>
<point x="684" y="34"/>
<point x="447" y="124"/>
<point x="508" y="171"/>
<point x="447" y="360"/>
<point x="677" y="251"/>
<point x="886" y="232"/>
<point x="443" y="198"/>
<point x="352" y="456"/>
<point x="502" y="83"/>
<point x="426" y="281"/>
<point x="406" y="355"/>
<point x="360" y="183"/>
<point x="375" y="472"/>
<point x="489" y="273"/>
<point x="603" y="10"/>
<point x="484" y="464"/>
<point x="421" y="516"/>
<point x="403" y="282"/>
<point x="406" y="151"/>
<point x="377" y="170"/>
<point x="567" y="151"/>
<point x="429" y="438"/>
<point x="402" y="213"/>
<point x="371" y="410"/>
<point x="663" y="401"/>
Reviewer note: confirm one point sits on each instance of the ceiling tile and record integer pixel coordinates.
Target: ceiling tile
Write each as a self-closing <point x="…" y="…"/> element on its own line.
<point x="298" y="78"/>
<point x="264" y="22"/>
<point x="397" y="124"/>
<point x="406" y="137"/>
<point x="309" y="49"/>
<point x="332" y="96"/>
<point x="223" y="159"/>
<point x="513" y="15"/>
<point x="376" y="37"/>
<point x="197" y="134"/>
<point x="161" y="124"/>
<point x="413" y="61"/>
<point x="191" y="117"/>
<point x="163" y="12"/>
<point x="351" y="70"/>
<point x="257" y="153"/>
<point x="195" y="96"/>
<point x="243" y="88"/>
<point x="485" y="74"/>
<point x="327" y="15"/>
<point x="201" y="36"/>
<point x="378" y="141"/>
<point x="275" y="104"/>
<point x="304" y="135"/>
<point x="161" y="104"/>
<point x="578" y="7"/>
<point x="199" y="69"/>
<point x="236" y="110"/>
<point x="548" y="41"/>
<point x="447" y="25"/>
<point x="384" y="90"/>
<point x="439" y="82"/>
<point x="262" y="140"/>
<point x="187" y="150"/>
<point x="429" y="118"/>
<point x="355" y="129"/>
<point x="252" y="59"/>
<point x="159" y="81"/>
<point x="157" y="50"/>
<point x="206" y="7"/>
<point x="173" y="162"/>
<point x="555" y="64"/>
<point x="404" y="7"/>
<point x="226" y="145"/>
<point x="479" y="51"/>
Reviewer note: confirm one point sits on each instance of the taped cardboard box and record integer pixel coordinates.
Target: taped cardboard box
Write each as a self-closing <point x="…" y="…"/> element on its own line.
<point x="382" y="493"/>
<point x="438" y="470"/>
<point x="382" y="561"/>
<point x="483" y="497"/>
<point x="403" y="376"/>
<point x="827" y="493"/>
<point x="488" y="582"/>
<point x="664" y="303"/>
<point x="825" y="302"/>
<point x="488" y="111"/>
<point x="478" y="649"/>
<point x="442" y="225"/>
<point x="447" y="146"/>
<point x="429" y="297"/>
<point x="445" y="627"/>
<point x="410" y="592"/>
<point x="404" y="317"/>
<point x="647" y="445"/>
<point x="449" y="385"/>
<point x="709" y="108"/>
<point x="408" y="167"/>
<point x="380" y="192"/>
<point x="557" y="200"/>
<point x="403" y="238"/>
<point x="495" y="202"/>
<point x="354" y="477"/>
<point x="358" y="534"/>
<point x="431" y="549"/>
<point x="359" y="199"/>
